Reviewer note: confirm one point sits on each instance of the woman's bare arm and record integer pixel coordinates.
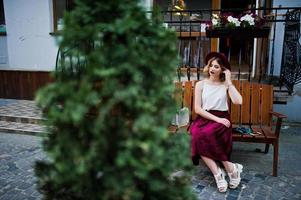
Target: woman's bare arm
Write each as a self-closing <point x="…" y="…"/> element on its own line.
<point x="235" y="96"/>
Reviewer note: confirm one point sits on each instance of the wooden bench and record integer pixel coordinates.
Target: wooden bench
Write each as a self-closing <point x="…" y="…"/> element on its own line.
<point x="255" y="112"/>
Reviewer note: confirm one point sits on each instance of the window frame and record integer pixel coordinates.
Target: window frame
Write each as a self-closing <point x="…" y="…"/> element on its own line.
<point x="54" y="16"/>
<point x="69" y="6"/>
<point x="2" y="20"/>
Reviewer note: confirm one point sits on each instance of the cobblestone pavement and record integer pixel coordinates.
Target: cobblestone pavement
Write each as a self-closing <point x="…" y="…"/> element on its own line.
<point x="257" y="182"/>
<point x="17" y="156"/>
<point x="18" y="153"/>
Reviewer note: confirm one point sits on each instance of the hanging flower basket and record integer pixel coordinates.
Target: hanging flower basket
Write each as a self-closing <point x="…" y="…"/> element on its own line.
<point x="238" y="32"/>
<point x="245" y="26"/>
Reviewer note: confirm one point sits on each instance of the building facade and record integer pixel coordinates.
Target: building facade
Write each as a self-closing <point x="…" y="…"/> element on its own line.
<point x="29" y="39"/>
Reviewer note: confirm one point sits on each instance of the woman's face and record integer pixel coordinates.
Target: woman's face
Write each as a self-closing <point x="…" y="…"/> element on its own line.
<point x="215" y="69"/>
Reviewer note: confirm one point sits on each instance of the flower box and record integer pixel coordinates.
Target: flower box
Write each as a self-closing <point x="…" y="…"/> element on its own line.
<point x="238" y="32"/>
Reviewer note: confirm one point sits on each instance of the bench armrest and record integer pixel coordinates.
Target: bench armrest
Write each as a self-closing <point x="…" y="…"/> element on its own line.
<point x="279" y="122"/>
<point x="279" y="115"/>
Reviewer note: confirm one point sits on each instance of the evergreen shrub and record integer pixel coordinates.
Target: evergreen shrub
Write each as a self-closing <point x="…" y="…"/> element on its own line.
<point x="109" y="108"/>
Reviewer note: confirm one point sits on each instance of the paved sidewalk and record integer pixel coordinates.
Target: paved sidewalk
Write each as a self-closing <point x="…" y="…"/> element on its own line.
<point x="17" y="156"/>
<point x="257" y="182"/>
<point x="18" y="153"/>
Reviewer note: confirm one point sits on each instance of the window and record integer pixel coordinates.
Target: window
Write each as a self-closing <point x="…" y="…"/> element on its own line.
<point x="2" y="18"/>
<point x="59" y="8"/>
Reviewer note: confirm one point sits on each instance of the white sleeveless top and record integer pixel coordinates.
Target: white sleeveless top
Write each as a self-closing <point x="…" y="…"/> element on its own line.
<point x="214" y="97"/>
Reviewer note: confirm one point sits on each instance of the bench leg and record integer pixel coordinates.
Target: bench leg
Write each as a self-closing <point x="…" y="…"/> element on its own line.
<point x="266" y="150"/>
<point x="275" y="160"/>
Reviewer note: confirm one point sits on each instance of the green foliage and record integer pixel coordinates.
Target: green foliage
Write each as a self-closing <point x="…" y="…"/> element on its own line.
<point x="109" y="109"/>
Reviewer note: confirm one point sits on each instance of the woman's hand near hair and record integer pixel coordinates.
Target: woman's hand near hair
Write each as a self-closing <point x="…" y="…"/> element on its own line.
<point x="228" y="80"/>
<point x="235" y="96"/>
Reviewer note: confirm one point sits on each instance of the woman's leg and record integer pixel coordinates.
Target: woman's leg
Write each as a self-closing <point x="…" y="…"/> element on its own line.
<point x="218" y="174"/>
<point x="234" y="171"/>
<point x="229" y="166"/>
<point x="211" y="164"/>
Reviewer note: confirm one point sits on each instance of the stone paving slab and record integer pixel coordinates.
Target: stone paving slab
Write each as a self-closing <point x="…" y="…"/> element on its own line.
<point x="19" y="152"/>
<point x="21" y="108"/>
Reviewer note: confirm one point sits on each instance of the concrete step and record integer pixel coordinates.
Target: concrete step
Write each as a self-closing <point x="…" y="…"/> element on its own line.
<point x="21" y="117"/>
<point x="281" y="95"/>
<point x="22" y="128"/>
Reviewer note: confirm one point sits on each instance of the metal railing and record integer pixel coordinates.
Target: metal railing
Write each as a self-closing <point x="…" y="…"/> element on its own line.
<point x="193" y="44"/>
<point x="291" y="54"/>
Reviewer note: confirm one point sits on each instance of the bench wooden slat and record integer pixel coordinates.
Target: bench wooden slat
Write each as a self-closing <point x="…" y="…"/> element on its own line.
<point x="256" y="129"/>
<point x="235" y="109"/>
<point x="266" y="104"/>
<point x="268" y="132"/>
<point x="264" y="133"/>
<point x="245" y="107"/>
<point x="267" y="135"/>
<point x="188" y="95"/>
<point x="253" y="140"/>
<point x="255" y="103"/>
<point x="193" y="114"/>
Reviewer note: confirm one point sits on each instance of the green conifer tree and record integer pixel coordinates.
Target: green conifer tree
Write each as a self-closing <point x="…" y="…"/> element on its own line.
<point x="109" y="108"/>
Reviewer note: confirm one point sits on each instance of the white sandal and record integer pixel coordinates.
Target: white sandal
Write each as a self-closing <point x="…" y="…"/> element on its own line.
<point x="234" y="176"/>
<point x="220" y="180"/>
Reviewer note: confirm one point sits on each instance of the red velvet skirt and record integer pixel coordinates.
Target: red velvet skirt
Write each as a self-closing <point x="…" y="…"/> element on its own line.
<point x="211" y="139"/>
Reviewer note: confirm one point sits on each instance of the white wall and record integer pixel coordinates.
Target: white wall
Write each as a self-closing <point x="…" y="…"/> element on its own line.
<point x="28" y="24"/>
<point x="293" y="106"/>
<point x="3" y="52"/>
<point x="279" y="33"/>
